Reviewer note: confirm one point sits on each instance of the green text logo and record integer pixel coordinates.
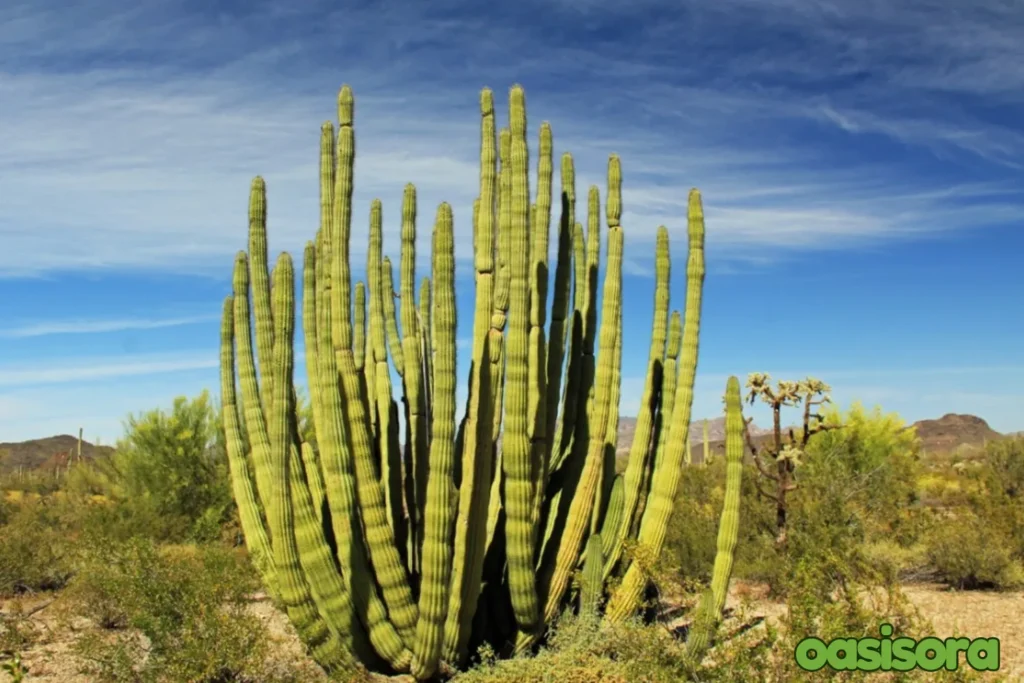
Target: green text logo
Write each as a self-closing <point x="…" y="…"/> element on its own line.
<point x="896" y="654"/>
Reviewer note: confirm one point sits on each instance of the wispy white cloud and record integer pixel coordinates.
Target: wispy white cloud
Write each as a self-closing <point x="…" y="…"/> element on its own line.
<point x="164" y="145"/>
<point x="47" y="328"/>
<point x="80" y="370"/>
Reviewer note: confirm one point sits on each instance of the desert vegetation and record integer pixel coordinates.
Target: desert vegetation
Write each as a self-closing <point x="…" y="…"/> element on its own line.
<point x="355" y="526"/>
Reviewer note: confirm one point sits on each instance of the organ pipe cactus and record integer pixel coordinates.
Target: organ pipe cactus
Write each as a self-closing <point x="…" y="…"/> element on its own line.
<point x="402" y="552"/>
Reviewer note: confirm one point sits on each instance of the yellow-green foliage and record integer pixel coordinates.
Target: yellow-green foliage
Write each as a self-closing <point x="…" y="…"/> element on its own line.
<point x="169" y="468"/>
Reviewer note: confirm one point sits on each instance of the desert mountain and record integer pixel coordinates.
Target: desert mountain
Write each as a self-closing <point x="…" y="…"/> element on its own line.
<point x="46" y="453"/>
<point x="940" y="435"/>
<point x="952" y="430"/>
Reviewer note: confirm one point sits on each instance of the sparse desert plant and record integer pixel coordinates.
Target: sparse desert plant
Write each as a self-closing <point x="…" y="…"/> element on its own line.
<point x="969" y="551"/>
<point x="407" y="552"/>
<point x="190" y="604"/>
<point x="35" y="552"/>
<point x="777" y="461"/>
<point x="12" y="664"/>
<point x="1004" y="459"/>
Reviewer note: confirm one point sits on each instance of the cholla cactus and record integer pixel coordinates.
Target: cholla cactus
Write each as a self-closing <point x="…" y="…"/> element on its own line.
<point x="406" y="552"/>
<point x="785" y="451"/>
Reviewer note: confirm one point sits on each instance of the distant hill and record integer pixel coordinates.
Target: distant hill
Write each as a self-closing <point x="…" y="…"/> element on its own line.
<point x="953" y="430"/>
<point x="46" y="453"/>
<point x="940" y="435"/>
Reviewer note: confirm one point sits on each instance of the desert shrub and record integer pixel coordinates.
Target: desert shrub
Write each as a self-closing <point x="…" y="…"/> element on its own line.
<point x="873" y="456"/>
<point x="1004" y="461"/>
<point x="969" y="551"/>
<point x="168" y="477"/>
<point x="894" y="562"/>
<point x="856" y="486"/>
<point x="35" y="551"/>
<point x="692" y="535"/>
<point x="182" y="600"/>
<point x="587" y="650"/>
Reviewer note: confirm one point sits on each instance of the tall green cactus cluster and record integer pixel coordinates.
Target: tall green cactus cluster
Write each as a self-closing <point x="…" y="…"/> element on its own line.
<point x="408" y="535"/>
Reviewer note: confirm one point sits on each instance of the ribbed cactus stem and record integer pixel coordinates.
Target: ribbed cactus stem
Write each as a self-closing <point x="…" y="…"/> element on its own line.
<point x="256" y="539"/>
<point x="566" y="428"/>
<point x="665" y="480"/>
<point x="380" y="539"/>
<point x="427" y="343"/>
<point x="611" y="439"/>
<point x="591" y="588"/>
<point x="713" y="601"/>
<point x="391" y="316"/>
<point x="640" y="449"/>
<point x="252" y="408"/>
<point x="478" y="443"/>
<point x="555" y="578"/>
<point x="613" y="517"/>
<point x="259" y="278"/>
<point x="314" y="475"/>
<point x="295" y="591"/>
<point x="702" y="630"/>
<point x="517" y="461"/>
<point x="728" y="526"/>
<point x="538" y="301"/>
<point x="359" y="334"/>
<point x="340" y="481"/>
<point x="664" y="421"/>
<point x="378" y="277"/>
<point x="561" y="322"/>
<point x="413" y="385"/>
<point x="440" y="501"/>
<point x="707" y="443"/>
<point x="341" y="228"/>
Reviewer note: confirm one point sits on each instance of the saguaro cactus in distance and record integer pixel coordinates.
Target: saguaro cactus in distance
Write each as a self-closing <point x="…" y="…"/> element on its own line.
<point x="404" y="552"/>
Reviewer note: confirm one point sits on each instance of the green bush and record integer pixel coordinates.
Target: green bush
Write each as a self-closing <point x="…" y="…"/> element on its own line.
<point x="856" y="486"/>
<point x="35" y="551"/>
<point x="168" y="476"/>
<point x="692" y="535"/>
<point x="1004" y="459"/>
<point x="969" y="551"/>
<point x="189" y="603"/>
<point x="587" y="650"/>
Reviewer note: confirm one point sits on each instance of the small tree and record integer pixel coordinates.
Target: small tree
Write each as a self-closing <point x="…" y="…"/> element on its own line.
<point x="777" y="460"/>
<point x="168" y="469"/>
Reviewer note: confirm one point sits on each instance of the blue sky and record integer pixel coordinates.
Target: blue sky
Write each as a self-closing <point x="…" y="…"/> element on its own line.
<point x="862" y="166"/>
